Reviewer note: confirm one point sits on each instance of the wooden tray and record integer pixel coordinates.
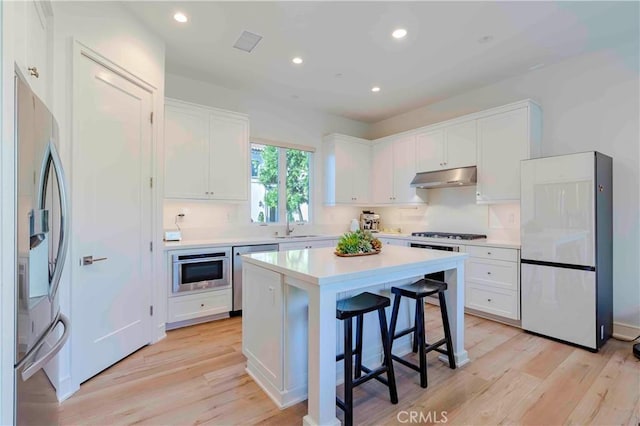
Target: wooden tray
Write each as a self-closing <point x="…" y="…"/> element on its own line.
<point x="356" y="254"/>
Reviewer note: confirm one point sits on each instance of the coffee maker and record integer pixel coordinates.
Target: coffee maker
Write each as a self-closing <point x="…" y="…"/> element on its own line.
<point x="369" y="221"/>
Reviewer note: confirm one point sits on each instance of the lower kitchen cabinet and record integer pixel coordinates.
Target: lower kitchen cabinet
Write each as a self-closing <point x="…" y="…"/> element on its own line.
<point x="492" y="281"/>
<point x="393" y="242"/>
<point x="192" y="306"/>
<point x="301" y="245"/>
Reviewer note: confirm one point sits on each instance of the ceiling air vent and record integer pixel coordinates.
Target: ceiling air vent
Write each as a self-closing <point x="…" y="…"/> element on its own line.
<point x="247" y="41"/>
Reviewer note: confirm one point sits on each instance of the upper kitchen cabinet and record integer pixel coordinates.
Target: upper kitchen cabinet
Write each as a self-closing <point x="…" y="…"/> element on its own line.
<point x="347" y="162"/>
<point x="506" y="137"/>
<point x="206" y="153"/>
<point x="33" y="49"/>
<point x="393" y="168"/>
<point x="447" y="147"/>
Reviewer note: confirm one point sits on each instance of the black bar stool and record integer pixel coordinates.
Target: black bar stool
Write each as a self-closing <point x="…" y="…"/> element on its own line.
<point x="357" y="306"/>
<point x="418" y="291"/>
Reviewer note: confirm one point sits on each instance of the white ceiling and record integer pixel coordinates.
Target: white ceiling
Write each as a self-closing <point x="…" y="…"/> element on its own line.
<point x="440" y="57"/>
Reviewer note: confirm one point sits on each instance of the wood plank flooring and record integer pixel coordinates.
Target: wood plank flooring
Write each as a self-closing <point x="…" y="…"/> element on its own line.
<point x="196" y="375"/>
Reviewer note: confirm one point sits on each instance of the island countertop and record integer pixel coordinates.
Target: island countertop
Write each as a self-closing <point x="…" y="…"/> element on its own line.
<point x="322" y="266"/>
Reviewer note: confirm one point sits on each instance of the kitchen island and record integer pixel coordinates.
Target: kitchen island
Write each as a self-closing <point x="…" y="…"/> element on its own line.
<point x="290" y="335"/>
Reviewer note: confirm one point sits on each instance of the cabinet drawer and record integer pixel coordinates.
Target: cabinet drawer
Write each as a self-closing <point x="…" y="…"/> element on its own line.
<point x="199" y="305"/>
<point x="498" y="273"/>
<point x="510" y="255"/>
<point x="503" y="303"/>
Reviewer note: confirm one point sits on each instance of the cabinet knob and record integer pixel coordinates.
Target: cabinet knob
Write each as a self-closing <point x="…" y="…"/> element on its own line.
<point x="488" y="300"/>
<point x="488" y="273"/>
<point x="34" y="72"/>
<point x="477" y="194"/>
<point x="489" y="253"/>
<point x="202" y="305"/>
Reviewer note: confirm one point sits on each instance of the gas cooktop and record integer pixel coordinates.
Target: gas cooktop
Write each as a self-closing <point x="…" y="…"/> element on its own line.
<point x="448" y="235"/>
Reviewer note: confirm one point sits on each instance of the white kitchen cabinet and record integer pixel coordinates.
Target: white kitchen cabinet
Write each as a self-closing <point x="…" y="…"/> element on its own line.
<point x="309" y="244"/>
<point x="504" y="139"/>
<point x="393" y="242"/>
<point x="492" y="281"/>
<point x="347" y="170"/>
<point x="193" y="306"/>
<point x="206" y="153"/>
<point x="394" y="167"/>
<point x="33" y="49"/>
<point x="448" y="147"/>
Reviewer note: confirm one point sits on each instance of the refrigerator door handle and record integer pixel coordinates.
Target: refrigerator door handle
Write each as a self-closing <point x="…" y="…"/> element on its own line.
<point x="30" y="368"/>
<point x="53" y="158"/>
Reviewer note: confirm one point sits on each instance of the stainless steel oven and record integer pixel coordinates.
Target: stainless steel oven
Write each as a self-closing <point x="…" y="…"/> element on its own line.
<point x="195" y="271"/>
<point x="431" y="246"/>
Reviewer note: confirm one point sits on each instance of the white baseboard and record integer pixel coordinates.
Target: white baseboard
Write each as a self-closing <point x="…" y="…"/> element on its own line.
<point x="624" y="331"/>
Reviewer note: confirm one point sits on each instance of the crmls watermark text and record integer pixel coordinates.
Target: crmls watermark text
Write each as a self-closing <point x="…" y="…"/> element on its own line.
<point x="417" y="417"/>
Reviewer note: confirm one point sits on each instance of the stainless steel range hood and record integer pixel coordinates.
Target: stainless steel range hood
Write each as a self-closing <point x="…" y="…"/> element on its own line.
<point x="463" y="176"/>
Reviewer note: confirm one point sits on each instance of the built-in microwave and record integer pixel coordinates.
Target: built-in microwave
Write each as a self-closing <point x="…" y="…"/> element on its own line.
<point x="201" y="270"/>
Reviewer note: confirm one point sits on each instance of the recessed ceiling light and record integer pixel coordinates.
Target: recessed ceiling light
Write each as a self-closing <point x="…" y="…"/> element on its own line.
<point x="180" y="17"/>
<point x="375" y="89"/>
<point x="485" y="39"/>
<point x="297" y="60"/>
<point x="399" y="33"/>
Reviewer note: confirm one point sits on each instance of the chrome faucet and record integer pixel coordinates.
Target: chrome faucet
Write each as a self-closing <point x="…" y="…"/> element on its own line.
<point x="287" y="230"/>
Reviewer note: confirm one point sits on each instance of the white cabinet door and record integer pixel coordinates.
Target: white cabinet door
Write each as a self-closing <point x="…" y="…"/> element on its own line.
<point x="460" y="145"/>
<point x="360" y="174"/>
<point x="229" y="157"/>
<point x="382" y="173"/>
<point x="430" y="151"/>
<point x="347" y="170"/>
<point x="186" y="153"/>
<point x="503" y="141"/>
<point x="393" y="242"/>
<point x="404" y="170"/>
<point x="206" y="153"/>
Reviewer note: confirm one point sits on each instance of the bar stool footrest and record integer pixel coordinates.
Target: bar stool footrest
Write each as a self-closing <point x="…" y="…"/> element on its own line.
<point x="404" y="332"/>
<point x="405" y="363"/>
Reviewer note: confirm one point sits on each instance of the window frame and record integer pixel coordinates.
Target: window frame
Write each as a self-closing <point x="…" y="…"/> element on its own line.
<point x="282" y="181"/>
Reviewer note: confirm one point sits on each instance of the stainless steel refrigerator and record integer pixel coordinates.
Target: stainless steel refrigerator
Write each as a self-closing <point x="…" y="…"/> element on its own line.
<point x="41" y="247"/>
<point x="567" y="248"/>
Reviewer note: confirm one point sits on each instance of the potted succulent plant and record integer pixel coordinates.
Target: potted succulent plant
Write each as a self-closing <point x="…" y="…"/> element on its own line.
<point x="358" y="243"/>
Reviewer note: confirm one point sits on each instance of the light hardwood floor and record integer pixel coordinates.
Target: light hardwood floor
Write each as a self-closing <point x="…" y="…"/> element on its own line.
<point x="196" y="375"/>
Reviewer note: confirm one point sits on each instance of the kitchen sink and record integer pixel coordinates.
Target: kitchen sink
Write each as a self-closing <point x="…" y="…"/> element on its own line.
<point x="287" y="237"/>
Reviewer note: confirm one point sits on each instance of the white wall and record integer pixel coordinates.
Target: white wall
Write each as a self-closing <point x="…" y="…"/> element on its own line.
<point x="269" y="120"/>
<point x="590" y="102"/>
<point x="108" y="29"/>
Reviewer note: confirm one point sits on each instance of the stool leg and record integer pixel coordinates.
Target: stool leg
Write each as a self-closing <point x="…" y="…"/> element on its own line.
<point x="386" y="347"/>
<point x="348" y="374"/>
<point x="392" y="327"/>
<point x="415" y="326"/>
<point x="358" y="368"/>
<point x="447" y="330"/>
<point x="422" y="355"/>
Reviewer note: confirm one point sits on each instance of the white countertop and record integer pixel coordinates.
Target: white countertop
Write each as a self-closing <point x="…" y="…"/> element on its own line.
<point x="239" y="241"/>
<point x="321" y="266"/>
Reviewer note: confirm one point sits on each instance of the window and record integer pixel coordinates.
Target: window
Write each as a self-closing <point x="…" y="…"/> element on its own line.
<point x="279" y="184"/>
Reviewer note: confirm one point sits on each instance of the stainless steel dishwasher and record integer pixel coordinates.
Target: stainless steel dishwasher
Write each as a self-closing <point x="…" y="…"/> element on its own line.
<point x="238" y="251"/>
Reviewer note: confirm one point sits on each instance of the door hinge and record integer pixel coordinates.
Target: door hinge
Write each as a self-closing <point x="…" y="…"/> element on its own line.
<point x="150" y="182"/>
<point x="151" y="117"/>
<point x="150" y="245"/>
<point x="151" y="310"/>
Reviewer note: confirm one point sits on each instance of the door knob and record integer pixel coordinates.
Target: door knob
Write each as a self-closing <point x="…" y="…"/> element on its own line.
<point x="89" y="260"/>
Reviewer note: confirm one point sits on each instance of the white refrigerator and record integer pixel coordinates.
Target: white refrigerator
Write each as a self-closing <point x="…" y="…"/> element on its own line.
<point x="567" y="248"/>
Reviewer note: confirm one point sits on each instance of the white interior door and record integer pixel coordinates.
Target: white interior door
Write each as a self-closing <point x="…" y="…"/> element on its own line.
<point x="111" y="201"/>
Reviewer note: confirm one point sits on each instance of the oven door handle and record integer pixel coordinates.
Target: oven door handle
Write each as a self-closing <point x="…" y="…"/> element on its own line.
<point x="201" y="260"/>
